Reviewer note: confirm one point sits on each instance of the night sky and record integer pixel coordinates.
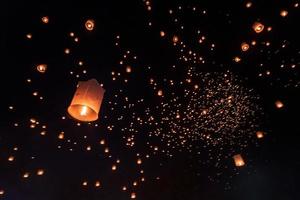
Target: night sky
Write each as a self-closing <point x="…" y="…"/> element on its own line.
<point x="188" y="85"/>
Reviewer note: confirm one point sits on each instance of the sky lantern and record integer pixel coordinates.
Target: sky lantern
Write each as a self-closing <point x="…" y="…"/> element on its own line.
<point x="175" y="39"/>
<point x="259" y="134"/>
<point x="238" y="160"/>
<point x="128" y="69"/>
<point x="283" y="13"/>
<point x="89" y="24"/>
<point x="41" y="68"/>
<point x="45" y="19"/>
<point x="159" y="92"/>
<point x="133" y="195"/>
<point x="1" y="192"/>
<point x="258" y="27"/>
<point x="279" y="104"/>
<point x="87" y="100"/>
<point x="244" y="46"/>
<point x="162" y="33"/>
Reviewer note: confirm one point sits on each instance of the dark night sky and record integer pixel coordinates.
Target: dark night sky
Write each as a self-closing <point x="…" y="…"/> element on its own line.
<point x="272" y="163"/>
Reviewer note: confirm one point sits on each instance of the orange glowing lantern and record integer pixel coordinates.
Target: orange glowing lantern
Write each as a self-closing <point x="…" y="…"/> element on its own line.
<point x="133" y="195"/>
<point x="244" y="46"/>
<point x="259" y="134"/>
<point x="87" y="101"/>
<point x="238" y="160"/>
<point x="175" y="39"/>
<point x="128" y="69"/>
<point x="41" y="68"/>
<point x="90" y="24"/>
<point x="258" y="27"/>
<point x="283" y="13"/>
<point x="162" y="33"/>
<point x="45" y="19"/>
<point x="279" y="104"/>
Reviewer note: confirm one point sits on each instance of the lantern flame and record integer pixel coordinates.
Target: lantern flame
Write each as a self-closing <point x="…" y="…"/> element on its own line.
<point x="83" y="111"/>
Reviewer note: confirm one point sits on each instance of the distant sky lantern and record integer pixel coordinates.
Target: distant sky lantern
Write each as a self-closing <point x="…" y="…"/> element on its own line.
<point x="237" y="59"/>
<point x="258" y="27"/>
<point x="238" y="160"/>
<point x="162" y="34"/>
<point x="45" y="19"/>
<point x="175" y="39"/>
<point x="259" y="134"/>
<point x="159" y="92"/>
<point x="89" y="24"/>
<point x="248" y="4"/>
<point x="40" y="172"/>
<point x="128" y="69"/>
<point x="279" y="104"/>
<point x="87" y="101"/>
<point x="283" y="13"/>
<point x="41" y="68"/>
<point x="1" y="192"/>
<point x="29" y="36"/>
<point x="133" y="195"/>
<point x="244" y="46"/>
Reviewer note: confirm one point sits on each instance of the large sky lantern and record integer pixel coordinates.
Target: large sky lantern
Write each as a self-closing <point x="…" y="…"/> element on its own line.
<point x="87" y="101"/>
<point x="258" y="27"/>
<point x="238" y="160"/>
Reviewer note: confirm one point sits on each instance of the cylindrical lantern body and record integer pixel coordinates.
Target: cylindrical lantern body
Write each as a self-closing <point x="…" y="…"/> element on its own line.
<point x="87" y="100"/>
<point x="238" y="160"/>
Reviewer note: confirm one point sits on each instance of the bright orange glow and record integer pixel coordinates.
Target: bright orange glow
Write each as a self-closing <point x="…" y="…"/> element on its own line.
<point x="279" y="104"/>
<point x="259" y="134"/>
<point x="90" y="24"/>
<point x="238" y="160"/>
<point x="41" y="68"/>
<point x="244" y="46"/>
<point x="258" y="27"/>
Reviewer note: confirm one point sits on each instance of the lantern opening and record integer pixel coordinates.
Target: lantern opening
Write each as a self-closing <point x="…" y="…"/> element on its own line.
<point x="87" y="101"/>
<point x="82" y="113"/>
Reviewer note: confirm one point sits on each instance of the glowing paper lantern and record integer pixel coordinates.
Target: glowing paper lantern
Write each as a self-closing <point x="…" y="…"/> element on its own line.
<point x="279" y="104"/>
<point x="175" y="39"/>
<point x="244" y="46"/>
<point x="45" y="19"/>
<point x="258" y="27"/>
<point x="162" y="34"/>
<point x="238" y="160"/>
<point x="41" y="68"/>
<point x="89" y="25"/>
<point x="87" y="100"/>
<point x="259" y="134"/>
<point x="284" y="13"/>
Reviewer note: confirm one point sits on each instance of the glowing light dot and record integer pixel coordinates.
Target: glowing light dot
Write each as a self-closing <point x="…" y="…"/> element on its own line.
<point x="35" y="93"/>
<point x="248" y="4"/>
<point x="124" y="188"/>
<point x="133" y="195"/>
<point x="162" y="33"/>
<point x="237" y="59"/>
<point x="259" y="134"/>
<point x="40" y="172"/>
<point x="11" y="158"/>
<point x="61" y="136"/>
<point x="283" y="13"/>
<point x="238" y="160"/>
<point x="175" y="39"/>
<point x="45" y="19"/>
<point x="279" y="104"/>
<point x="128" y="69"/>
<point x="41" y="68"/>
<point x="244" y="46"/>
<point x="258" y="27"/>
<point x="26" y="175"/>
<point x="90" y="24"/>
<point x="67" y="51"/>
<point x="2" y="192"/>
<point x="159" y="92"/>
<point x="139" y="161"/>
<point x="84" y="183"/>
<point x="29" y="36"/>
<point x="97" y="184"/>
<point x="114" y="167"/>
